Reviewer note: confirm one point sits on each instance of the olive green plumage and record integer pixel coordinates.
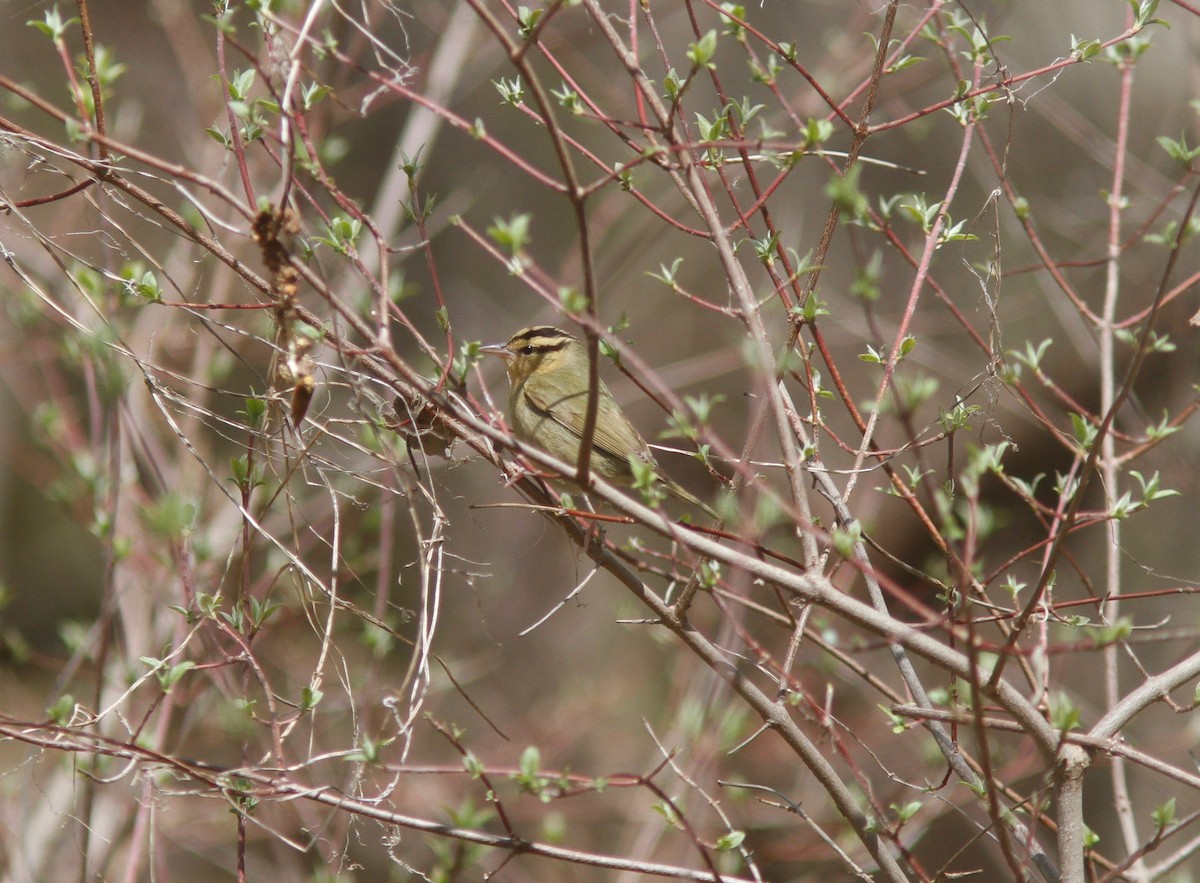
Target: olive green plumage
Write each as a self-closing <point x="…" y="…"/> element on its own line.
<point x="548" y="376"/>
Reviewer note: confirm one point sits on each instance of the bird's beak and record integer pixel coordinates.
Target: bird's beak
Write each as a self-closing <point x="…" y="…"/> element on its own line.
<point x="496" y="349"/>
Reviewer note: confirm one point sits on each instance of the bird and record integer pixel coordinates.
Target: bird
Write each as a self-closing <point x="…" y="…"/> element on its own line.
<point x="548" y="378"/>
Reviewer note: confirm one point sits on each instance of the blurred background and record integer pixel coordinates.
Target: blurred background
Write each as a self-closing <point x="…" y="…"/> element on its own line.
<point x="400" y="584"/>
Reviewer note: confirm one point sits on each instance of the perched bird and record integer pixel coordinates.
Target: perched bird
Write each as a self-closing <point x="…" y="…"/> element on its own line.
<point x="548" y="375"/>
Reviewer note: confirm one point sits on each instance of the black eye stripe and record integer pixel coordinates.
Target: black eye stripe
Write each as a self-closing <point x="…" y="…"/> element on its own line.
<point x="543" y="346"/>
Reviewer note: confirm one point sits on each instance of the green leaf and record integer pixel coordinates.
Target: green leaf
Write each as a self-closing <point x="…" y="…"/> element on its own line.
<point x="866" y="278"/>
<point x="871" y="356"/>
<point x="367" y="751"/>
<point x="730" y="841"/>
<point x="734" y="29"/>
<point x="1064" y="716"/>
<point x="646" y="481"/>
<point x="60" y="712"/>
<point x="672" y="85"/>
<point x="312" y="93"/>
<point x="667" y="275"/>
<point x="531" y="762"/>
<point x="572" y="299"/>
<point x="701" y="52"/>
<point x="1164" y="814"/>
<point x="817" y="132"/>
<point x="845" y="539"/>
<point x="845" y="192"/>
<point x="52" y="24"/>
<point x="241" y="83"/>
<point x="906" y="811"/>
<point x="511" y="91"/>
<point x="1085" y="431"/>
<point x="569" y="99"/>
<point x="1144" y="11"/>
<point x="1179" y="150"/>
<point x="172" y="517"/>
<point x="527" y="19"/>
<point x="473" y="765"/>
<point x="511" y="234"/>
<point x="168" y="675"/>
<point x="668" y="814"/>
<point x="1083" y="50"/>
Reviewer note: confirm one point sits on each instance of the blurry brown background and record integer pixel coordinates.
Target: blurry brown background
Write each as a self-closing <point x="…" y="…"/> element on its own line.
<point x="581" y="685"/>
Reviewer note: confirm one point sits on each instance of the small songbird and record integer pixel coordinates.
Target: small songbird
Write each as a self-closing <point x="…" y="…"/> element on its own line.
<point x="548" y="375"/>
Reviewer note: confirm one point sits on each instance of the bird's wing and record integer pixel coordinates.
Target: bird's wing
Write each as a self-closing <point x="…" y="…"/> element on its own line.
<point x="614" y="434"/>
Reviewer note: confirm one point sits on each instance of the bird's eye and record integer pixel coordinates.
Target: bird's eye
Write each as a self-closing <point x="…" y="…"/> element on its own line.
<point x="527" y="351"/>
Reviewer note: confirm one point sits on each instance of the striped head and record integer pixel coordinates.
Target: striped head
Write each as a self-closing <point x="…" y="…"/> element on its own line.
<point x="538" y="349"/>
